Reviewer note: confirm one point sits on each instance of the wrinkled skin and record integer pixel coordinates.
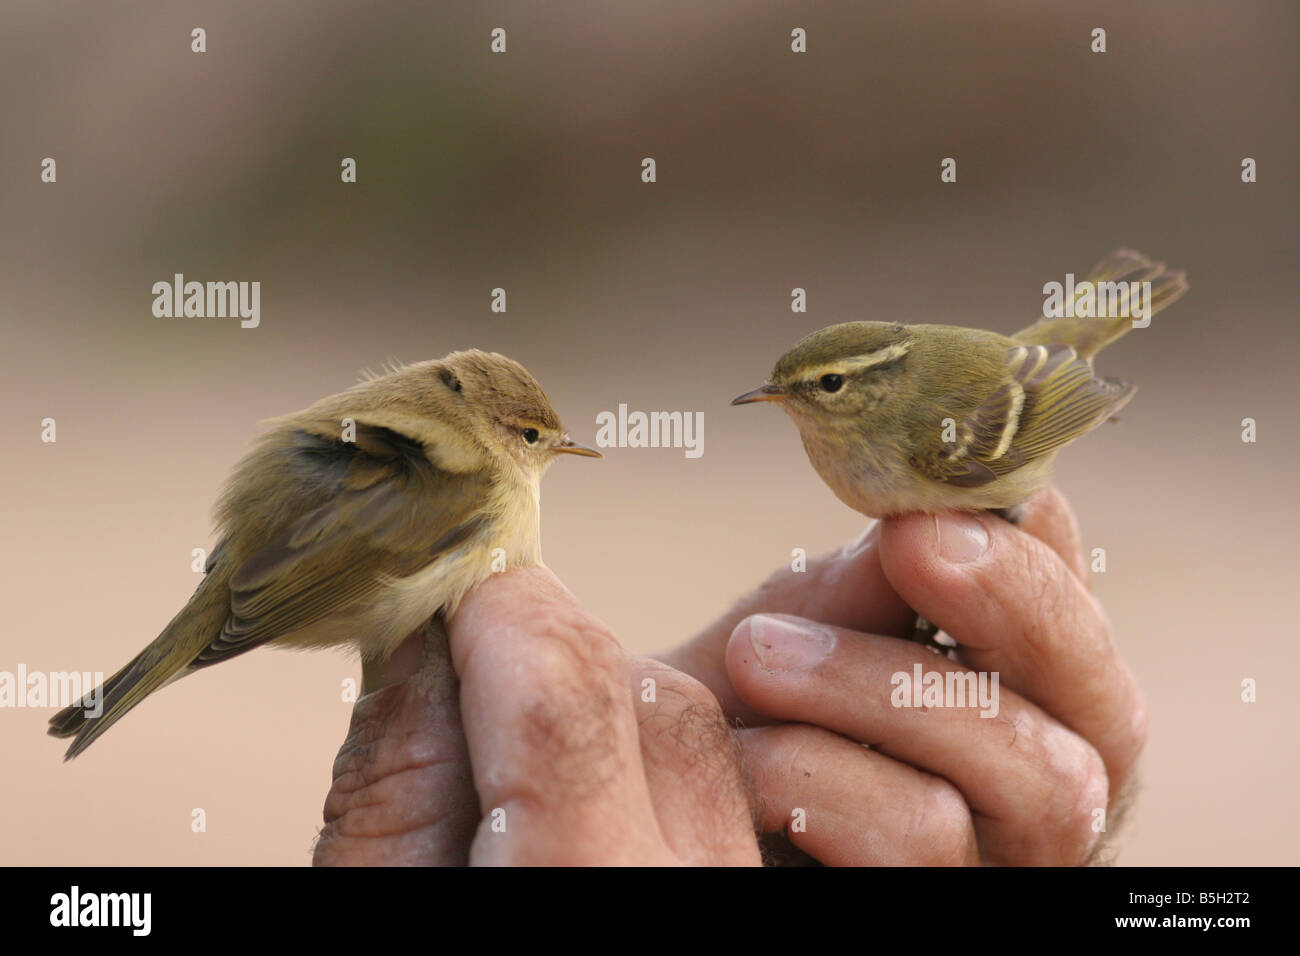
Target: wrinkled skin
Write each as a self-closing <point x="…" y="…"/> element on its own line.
<point x="546" y="729"/>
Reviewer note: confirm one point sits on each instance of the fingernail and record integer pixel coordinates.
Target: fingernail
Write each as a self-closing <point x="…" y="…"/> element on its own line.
<point x="962" y="537"/>
<point x="782" y="645"/>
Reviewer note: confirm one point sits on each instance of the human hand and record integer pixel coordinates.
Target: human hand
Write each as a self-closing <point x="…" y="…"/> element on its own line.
<point x="937" y="785"/>
<point x="561" y="760"/>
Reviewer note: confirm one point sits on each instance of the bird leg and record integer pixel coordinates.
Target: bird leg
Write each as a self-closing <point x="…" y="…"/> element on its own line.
<point x="433" y="634"/>
<point x="1013" y="515"/>
<point x="925" y="634"/>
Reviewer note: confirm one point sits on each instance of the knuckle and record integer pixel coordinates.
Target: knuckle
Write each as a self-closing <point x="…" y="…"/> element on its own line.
<point x="1140" y="724"/>
<point x="580" y="645"/>
<point x="1041" y="569"/>
<point x="690" y="719"/>
<point x="689" y="693"/>
<point x="942" y="832"/>
<point x="1125" y="736"/>
<point x="1131" y="724"/>
<point x="565" y="736"/>
<point x="1056" y="512"/>
<point x="1078" y="792"/>
<point x="1038" y="598"/>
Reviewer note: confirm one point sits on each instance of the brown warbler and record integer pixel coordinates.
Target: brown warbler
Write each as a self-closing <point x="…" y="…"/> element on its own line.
<point x="357" y="520"/>
<point x="899" y="418"/>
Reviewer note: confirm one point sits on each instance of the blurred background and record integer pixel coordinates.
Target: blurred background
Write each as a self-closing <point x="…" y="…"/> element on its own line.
<point x="522" y="171"/>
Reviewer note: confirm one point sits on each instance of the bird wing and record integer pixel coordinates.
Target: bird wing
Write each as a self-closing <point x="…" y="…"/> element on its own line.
<point x="392" y="512"/>
<point x="1049" y="398"/>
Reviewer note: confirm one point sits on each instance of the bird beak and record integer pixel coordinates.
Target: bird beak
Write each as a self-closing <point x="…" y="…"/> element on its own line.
<point x="568" y="446"/>
<point x="766" y="393"/>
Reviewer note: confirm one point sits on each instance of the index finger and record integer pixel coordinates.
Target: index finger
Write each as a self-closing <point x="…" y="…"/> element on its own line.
<point x="552" y="737"/>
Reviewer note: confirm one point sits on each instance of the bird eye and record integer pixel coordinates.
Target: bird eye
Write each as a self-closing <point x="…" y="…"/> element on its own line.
<point x="531" y="435"/>
<point x="832" y="382"/>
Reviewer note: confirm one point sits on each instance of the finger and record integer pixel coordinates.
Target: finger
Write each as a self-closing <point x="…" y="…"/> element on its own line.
<point x="402" y="793"/>
<point x="847" y="805"/>
<point x="693" y="769"/>
<point x="1048" y="517"/>
<point x="1033" y="785"/>
<point x="1009" y="600"/>
<point x="845" y="587"/>
<point x="552" y="737"/>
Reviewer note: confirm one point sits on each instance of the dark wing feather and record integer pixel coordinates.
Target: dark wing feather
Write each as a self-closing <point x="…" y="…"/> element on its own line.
<point x="1050" y="398"/>
<point x="391" y="514"/>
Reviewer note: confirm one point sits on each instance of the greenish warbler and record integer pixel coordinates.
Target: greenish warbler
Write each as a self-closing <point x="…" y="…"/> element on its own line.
<point x="899" y="418"/>
<point x="356" y="520"/>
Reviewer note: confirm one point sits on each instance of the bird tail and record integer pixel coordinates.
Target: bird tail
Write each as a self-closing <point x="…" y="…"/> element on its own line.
<point x="166" y="659"/>
<point x="106" y="704"/>
<point x="1115" y="308"/>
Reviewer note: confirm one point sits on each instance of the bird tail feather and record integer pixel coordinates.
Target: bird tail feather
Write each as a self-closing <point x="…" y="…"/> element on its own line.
<point x="1110" y="281"/>
<point x="166" y="659"/>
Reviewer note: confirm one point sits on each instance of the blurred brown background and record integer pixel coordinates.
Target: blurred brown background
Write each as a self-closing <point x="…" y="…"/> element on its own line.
<point x="522" y="171"/>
